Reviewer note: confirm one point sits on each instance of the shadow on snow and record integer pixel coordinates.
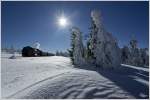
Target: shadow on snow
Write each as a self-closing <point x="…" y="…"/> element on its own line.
<point x="126" y="78"/>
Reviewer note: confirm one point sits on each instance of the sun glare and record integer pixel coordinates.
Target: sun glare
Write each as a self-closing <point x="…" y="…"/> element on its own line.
<point x="62" y="21"/>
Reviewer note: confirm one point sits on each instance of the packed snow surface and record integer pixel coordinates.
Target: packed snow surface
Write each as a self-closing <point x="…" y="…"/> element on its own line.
<point x="55" y="77"/>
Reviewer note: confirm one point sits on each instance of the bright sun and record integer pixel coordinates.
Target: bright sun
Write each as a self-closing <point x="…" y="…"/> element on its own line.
<point x="62" y="21"/>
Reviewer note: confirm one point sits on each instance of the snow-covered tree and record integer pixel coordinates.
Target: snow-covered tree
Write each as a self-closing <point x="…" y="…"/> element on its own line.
<point x="71" y="50"/>
<point x="57" y="53"/>
<point x="91" y="44"/>
<point x="77" y="49"/>
<point x="102" y="44"/>
<point x="125" y="55"/>
<point x="144" y="56"/>
<point x="135" y="58"/>
<point x="133" y="55"/>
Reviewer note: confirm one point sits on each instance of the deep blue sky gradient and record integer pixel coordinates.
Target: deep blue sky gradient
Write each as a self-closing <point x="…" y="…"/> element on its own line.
<point x="23" y="23"/>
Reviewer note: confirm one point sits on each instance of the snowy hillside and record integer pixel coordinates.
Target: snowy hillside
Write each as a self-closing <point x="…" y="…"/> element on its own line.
<point x="56" y="77"/>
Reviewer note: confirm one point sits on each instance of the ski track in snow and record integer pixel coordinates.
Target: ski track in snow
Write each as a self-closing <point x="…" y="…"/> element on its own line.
<point x="77" y="84"/>
<point x="55" y="78"/>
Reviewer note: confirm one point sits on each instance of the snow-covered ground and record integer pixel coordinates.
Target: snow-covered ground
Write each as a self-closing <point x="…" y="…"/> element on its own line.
<point x="56" y="77"/>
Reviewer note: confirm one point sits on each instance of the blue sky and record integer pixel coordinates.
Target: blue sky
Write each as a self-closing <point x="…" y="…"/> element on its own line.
<point x="23" y="23"/>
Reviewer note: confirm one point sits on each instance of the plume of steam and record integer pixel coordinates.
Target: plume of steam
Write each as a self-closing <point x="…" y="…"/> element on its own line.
<point x="37" y="45"/>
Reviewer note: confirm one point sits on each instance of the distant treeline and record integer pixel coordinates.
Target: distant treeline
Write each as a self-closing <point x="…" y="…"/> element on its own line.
<point x="10" y="50"/>
<point x="60" y="53"/>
